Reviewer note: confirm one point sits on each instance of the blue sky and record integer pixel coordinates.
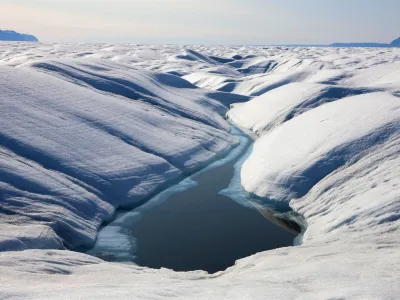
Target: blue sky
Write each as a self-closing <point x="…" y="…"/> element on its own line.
<point x="206" y="21"/>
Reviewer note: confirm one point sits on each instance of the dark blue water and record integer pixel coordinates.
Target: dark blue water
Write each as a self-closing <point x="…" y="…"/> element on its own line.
<point x="194" y="229"/>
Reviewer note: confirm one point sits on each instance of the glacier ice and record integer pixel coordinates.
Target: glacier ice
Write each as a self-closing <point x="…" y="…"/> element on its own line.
<point x="87" y="128"/>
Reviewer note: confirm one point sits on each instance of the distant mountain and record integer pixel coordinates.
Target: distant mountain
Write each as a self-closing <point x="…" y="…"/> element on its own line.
<point x="377" y="45"/>
<point x="8" y="35"/>
<point x="395" y="43"/>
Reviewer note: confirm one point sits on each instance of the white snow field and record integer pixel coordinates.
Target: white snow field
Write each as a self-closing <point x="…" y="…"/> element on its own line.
<point x="85" y="129"/>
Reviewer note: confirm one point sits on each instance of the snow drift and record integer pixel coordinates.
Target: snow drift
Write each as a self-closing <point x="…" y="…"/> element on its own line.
<point x="282" y="104"/>
<point x="70" y="156"/>
<point x="287" y="162"/>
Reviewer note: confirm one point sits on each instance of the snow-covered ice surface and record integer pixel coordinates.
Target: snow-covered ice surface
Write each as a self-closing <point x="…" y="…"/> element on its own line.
<point x="87" y="128"/>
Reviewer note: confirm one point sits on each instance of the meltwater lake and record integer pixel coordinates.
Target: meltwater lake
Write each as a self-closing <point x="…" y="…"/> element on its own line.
<point x="193" y="226"/>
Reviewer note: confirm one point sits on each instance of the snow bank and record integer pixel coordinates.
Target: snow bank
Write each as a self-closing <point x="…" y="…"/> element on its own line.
<point x="251" y="85"/>
<point x="70" y="155"/>
<point x="290" y="160"/>
<point x="21" y="237"/>
<point x="381" y="76"/>
<point x="271" y="109"/>
<point x="326" y="271"/>
<point x="359" y="202"/>
<point x="158" y="89"/>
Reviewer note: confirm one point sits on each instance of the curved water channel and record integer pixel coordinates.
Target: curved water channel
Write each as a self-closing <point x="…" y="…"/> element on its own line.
<point x="206" y="222"/>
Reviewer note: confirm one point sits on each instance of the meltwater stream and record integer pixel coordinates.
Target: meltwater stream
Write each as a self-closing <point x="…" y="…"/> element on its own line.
<point x="193" y="226"/>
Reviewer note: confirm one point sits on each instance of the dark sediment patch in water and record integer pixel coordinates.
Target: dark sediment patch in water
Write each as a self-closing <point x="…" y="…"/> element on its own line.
<point x="196" y="229"/>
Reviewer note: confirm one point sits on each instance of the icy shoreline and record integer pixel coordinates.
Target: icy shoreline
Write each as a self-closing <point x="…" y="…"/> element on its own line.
<point x="112" y="233"/>
<point x="191" y="217"/>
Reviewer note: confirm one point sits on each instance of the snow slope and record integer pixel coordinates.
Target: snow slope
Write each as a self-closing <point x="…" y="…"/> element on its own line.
<point x="70" y="155"/>
<point x="87" y="128"/>
<point x="291" y="159"/>
<point x="282" y="104"/>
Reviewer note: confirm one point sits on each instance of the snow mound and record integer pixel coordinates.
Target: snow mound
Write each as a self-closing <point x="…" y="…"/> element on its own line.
<point x="260" y="75"/>
<point x="252" y="85"/>
<point x="21" y="237"/>
<point x="139" y="85"/>
<point x="287" y="162"/>
<point x="271" y="109"/>
<point x="197" y="56"/>
<point x="359" y="202"/>
<point x="70" y="155"/>
<point x="329" y="271"/>
<point x="381" y="76"/>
